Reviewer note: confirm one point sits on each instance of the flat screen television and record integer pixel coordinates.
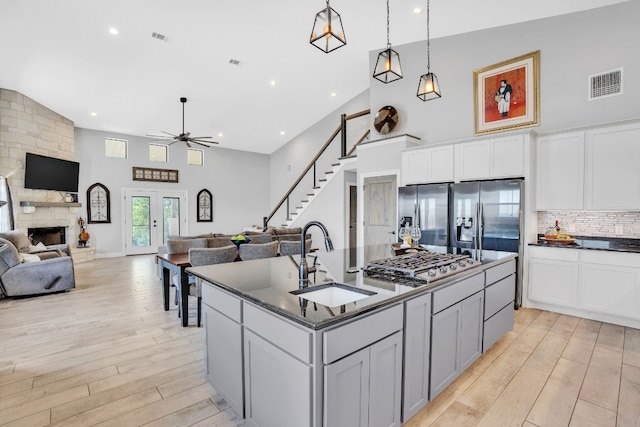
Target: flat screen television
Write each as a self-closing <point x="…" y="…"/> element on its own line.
<point x="49" y="173"/>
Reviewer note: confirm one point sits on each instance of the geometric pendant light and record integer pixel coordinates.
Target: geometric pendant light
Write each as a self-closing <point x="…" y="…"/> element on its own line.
<point x="428" y="87"/>
<point x="327" y="33"/>
<point x="388" y="68"/>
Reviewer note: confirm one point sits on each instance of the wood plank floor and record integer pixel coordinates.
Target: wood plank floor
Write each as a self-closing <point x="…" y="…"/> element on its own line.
<point x="106" y="353"/>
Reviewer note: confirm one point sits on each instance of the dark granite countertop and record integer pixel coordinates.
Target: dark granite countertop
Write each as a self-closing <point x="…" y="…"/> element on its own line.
<point x="268" y="283"/>
<point x="613" y="244"/>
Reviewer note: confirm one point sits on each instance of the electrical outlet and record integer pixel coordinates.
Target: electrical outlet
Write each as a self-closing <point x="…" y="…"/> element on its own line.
<point x="619" y="230"/>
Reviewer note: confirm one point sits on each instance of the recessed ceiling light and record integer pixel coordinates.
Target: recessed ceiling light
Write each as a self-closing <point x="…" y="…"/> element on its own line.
<point x="417" y="10"/>
<point x="333" y="94"/>
<point x="272" y="82"/>
<point x="281" y="132"/>
<point x="220" y="135"/>
<point x="93" y="114"/>
<point x="113" y="31"/>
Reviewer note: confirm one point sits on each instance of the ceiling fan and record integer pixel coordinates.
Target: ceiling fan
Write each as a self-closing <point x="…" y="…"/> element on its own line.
<point x="185" y="137"/>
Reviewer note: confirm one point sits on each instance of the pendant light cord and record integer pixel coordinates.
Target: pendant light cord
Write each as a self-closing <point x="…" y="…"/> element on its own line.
<point x="388" y="43"/>
<point x="428" y="42"/>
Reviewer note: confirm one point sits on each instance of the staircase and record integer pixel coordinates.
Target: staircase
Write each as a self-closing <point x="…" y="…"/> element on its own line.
<point x="333" y="155"/>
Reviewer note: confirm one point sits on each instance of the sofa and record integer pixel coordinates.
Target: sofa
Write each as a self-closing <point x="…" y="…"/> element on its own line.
<point x="32" y="270"/>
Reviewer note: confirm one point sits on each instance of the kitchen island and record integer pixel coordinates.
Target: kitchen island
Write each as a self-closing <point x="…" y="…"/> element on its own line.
<point x="335" y="356"/>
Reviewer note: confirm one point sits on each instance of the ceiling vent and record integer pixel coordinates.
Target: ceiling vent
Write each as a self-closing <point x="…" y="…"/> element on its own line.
<point x="605" y="84"/>
<point x="160" y="37"/>
<point x="234" y="61"/>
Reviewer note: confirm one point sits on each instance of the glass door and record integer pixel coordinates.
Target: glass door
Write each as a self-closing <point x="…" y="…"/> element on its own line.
<point x="150" y="217"/>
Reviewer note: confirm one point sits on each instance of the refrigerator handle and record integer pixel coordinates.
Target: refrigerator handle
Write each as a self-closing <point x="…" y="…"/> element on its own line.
<point x="475" y="232"/>
<point x="417" y="211"/>
<point x="480" y="227"/>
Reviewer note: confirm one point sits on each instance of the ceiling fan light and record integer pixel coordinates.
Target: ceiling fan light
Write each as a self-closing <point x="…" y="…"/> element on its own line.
<point x="428" y="88"/>
<point x="388" y="68"/>
<point x="327" y="33"/>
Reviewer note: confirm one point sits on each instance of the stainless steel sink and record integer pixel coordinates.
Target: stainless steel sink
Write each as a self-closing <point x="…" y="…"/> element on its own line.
<point x="332" y="294"/>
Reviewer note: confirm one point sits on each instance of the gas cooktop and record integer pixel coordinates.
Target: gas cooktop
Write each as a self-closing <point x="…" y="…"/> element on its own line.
<point x="420" y="266"/>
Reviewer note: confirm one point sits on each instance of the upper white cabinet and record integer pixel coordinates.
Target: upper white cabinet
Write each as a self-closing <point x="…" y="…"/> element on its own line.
<point x="427" y="165"/>
<point x="560" y="172"/>
<point x="490" y="158"/>
<point x="612" y="172"/>
<point x="594" y="169"/>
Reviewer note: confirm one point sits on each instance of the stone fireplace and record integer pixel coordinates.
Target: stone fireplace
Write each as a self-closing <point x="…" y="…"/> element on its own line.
<point x="47" y="235"/>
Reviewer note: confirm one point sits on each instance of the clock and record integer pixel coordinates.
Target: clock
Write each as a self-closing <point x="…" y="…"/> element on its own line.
<point x="205" y="206"/>
<point x="98" y="204"/>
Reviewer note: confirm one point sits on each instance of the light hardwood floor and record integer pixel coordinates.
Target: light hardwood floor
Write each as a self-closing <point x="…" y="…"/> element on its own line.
<point x="106" y="353"/>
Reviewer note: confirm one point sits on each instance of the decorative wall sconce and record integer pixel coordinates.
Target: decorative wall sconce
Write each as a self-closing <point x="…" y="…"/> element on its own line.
<point x="327" y="33"/>
<point x="388" y="68"/>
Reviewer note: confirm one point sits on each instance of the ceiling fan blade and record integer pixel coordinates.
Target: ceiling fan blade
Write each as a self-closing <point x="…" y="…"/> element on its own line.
<point x="173" y="142"/>
<point x="201" y="137"/>
<point x="200" y="143"/>
<point x="159" y="136"/>
<point x="160" y="140"/>
<point x="204" y="141"/>
<point x="175" y="136"/>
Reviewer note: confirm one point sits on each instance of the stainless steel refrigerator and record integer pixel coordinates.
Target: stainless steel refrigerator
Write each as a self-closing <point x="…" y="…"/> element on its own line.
<point x="428" y="207"/>
<point x="487" y="215"/>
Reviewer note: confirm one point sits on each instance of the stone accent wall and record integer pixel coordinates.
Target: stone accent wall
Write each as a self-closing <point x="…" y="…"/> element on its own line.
<point x="594" y="224"/>
<point x="26" y="126"/>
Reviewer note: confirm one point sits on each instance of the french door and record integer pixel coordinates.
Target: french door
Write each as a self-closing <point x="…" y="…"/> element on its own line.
<point x="150" y="217"/>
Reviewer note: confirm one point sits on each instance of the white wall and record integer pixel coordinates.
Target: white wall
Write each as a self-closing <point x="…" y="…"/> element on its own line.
<point x="238" y="180"/>
<point x="572" y="47"/>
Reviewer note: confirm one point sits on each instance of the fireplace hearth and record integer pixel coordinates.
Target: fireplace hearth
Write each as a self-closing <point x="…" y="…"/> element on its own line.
<point x="47" y="235"/>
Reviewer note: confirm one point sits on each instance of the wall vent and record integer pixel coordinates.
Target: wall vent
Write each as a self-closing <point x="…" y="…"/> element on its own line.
<point x="160" y="37"/>
<point x="605" y="84"/>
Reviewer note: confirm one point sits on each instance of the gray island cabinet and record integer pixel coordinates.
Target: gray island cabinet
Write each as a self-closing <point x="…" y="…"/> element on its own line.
<point x="280" y="360"/>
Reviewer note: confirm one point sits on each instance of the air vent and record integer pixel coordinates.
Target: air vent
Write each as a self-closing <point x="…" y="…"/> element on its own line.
<point x="605" y="84"/>
<point x="160" y="37"/>
<point x="234" y="61"/>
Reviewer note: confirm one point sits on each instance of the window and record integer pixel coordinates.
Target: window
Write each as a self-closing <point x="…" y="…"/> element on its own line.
<point x="115" y="148"/>
<point x="195" y="157"/>
<point x="158" y="153"/>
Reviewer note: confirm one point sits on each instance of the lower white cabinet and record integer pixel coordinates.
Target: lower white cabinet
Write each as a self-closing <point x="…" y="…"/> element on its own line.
<point x="363" y="389"/>
<point x="456" y="335"/>
<point x="277" y="385"/>
<point x="223" y="357"/>
<point x="553" y="276"/>
<point x="417" y="344"/>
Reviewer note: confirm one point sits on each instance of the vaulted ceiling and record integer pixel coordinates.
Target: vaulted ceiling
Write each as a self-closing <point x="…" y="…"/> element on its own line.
<point x="61" y="54"/>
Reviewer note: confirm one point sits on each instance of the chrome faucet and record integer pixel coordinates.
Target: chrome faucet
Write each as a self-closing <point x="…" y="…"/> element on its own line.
<point x="304" y="269"/>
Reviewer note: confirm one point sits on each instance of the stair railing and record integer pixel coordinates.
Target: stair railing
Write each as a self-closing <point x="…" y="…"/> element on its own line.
<point x="321" y="163"/>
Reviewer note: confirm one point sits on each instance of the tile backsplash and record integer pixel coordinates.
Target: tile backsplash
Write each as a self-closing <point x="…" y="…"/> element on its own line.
<point x="588" y="223"/>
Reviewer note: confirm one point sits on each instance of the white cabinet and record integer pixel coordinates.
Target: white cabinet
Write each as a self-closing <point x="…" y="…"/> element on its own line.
<point x="417" y="341"/>
<point x="612" y="172"/>
<point x="553" y="276"/>
<point x="610" y="283"/>
<point x="560" y="172"/>
<point x="490" y="158"/>
<point x="427" y="165"/>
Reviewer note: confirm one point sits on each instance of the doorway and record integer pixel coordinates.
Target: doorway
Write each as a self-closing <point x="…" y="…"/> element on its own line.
<point x="150" y="217"/>
<point x="379" y="209"/>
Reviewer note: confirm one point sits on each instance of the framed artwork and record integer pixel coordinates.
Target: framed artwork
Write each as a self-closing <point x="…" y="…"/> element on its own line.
<point x="507" y="94"/>
<point x="98" y="204"/>
<point x="152" y="174"/>
<point x="205" y="206"/>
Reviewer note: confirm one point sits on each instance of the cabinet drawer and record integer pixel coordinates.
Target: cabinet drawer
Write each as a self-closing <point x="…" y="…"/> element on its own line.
<point x="554" y="254"/>
<point x="497" y="326"/>
<point x="456" y="292"/>
<point x="360" y="333"/>
<point x="498" y="295"/>
<point x="222" y="301"/>
<point x="291" y="338"/>
<point x="500" y="271"/>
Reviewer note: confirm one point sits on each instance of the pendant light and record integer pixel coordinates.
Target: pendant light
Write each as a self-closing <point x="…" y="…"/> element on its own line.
<point x="327" y="33"/>
<point x="388" y="67"/>
<point x="428" y="88"/>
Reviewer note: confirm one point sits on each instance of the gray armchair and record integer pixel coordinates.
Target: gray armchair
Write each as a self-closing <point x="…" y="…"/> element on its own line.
<point x="291" y="247"/>
<point x="50" y="272"/>
<point x="251" y="251"/>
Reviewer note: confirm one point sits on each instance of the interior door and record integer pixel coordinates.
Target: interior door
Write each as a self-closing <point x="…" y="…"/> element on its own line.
<point x="150" y="217"/>
<point x="380" y="205"/>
